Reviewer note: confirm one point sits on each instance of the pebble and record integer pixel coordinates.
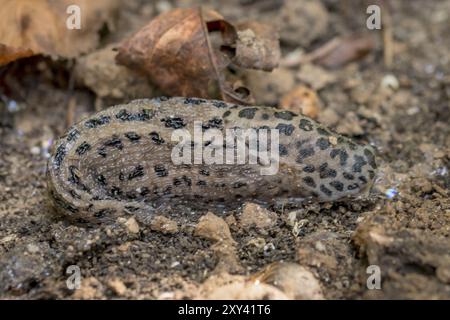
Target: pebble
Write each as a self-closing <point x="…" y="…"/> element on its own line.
<point x="212" y="227"/>
<point x="132" y="225"/>
<point x="117" y="286"/>
<point x="302" y="100"/>
<point x="255" y="215"/>
<point x="163" y="225"/>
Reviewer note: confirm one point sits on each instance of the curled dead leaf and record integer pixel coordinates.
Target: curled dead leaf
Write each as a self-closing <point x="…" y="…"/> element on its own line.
<point x="30" y="27"/>
<point x="186" y="53"/>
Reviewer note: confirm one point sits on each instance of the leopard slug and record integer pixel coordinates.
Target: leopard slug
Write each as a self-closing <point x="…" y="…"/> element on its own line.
<point x="118" y="161"/>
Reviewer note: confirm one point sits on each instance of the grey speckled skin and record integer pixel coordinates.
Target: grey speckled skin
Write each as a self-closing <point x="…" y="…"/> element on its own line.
<point x="118" y="161"/>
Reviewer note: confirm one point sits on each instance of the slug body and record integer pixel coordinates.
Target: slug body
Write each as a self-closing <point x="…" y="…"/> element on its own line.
<point x="119" y="161"/>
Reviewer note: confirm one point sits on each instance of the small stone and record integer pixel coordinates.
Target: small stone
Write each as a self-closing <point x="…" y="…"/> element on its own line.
<point x="302" y="100"/>
<point x="212" y="227"/>
<point x="247" y="291"/>
<point x="32" y="248"/>
<point x="117" y="286"/>
<point x="390" y="81"/>
<point x="163" y="225"/>
<point x="292" y="279"/>
<point x="255" y="215"/>
<point x="132" y="225"/>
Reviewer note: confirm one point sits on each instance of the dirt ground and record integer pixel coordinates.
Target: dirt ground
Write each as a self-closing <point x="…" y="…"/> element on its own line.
<point x="402" y="228"/>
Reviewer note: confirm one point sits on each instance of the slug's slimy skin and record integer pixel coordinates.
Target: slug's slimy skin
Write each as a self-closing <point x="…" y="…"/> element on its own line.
<point x="119" y="162"/>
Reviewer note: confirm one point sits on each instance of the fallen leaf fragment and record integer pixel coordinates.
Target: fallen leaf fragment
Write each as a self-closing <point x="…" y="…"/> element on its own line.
<point x="342" y="50"/>
<point x="29" y="27"/>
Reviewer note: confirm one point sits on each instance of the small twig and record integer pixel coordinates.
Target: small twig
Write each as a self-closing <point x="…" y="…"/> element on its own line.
<point x="388" y="43"/>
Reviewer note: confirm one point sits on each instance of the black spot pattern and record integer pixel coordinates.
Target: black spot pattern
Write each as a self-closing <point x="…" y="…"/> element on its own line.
<point x="283" y="151"/>
<point x="371" y="174"/>
<point x="309" y="168"/>
<point x="370" y="158"/>
<point x="204" y="172"/>
<point x="114" y="142"/>
<point x="137" y="172"/>
<point x="304" y="153"/>
<point x="143" y="115"/>
<point x="326" y="172"/>
<point x="174" y="123"/>
<point x="73" y="176"/>
<point x="248" y="113"/>
<point x="219" y="104"/>
<point x="194" y="101"/>
<point x="83" y="148"/>
<point x="343" y="156"/>
<point x="339" y="186"/>
<point x="323" y="132"/>
<point x="161" y="171"/>
<point x="359" y="163"/>
<point x="309" y="182"/>
<point x="348" y="176"/>
<point x="73" y="135"/>
<point x="325" y="190"/>
<point x="323" y="143"/>
<point x="265" y="116"/>
<point x="353" y="186"/>
<point x="201" y="183"/>
<point x="96" y="122"/>
<point x="59" y="155"/>
<point x="362" y="179"/>
<point x="215" y="123"/>
<point x="285" y="115"/>
<point x="286" y="129"/>
<point x="132" y="136"/>
<point x="305" y="125"/>
<point x="102" y="151"/>
<point x="156" y="138"/>
<point x="226" y="113"/>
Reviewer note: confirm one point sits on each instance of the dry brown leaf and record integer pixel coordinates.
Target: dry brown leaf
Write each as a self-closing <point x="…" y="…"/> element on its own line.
<point x="39" y="26"/>
<point x="257" y="46"/>
<point x="186" y="51"/>
<point x="342" y="50"/>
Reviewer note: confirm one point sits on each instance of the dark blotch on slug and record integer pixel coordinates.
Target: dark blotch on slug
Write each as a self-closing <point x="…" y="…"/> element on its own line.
<point x="348" y="176"/>
<point x="132" y="136"/>
<point x="359" y="163"/>
<point x="265" y="116"/>
<point x="283" y="150"/>
<point x="194" y="101"/>
<point x="353" y="186"/>
<point x="343" y="156"/>
<point x="285" y="115"/>
<point x="306" y="125"/>
<point x="215" y="123"/>
<point x="83" y="148"/>
<point x="323" y="143"/>
<point x="96" y="122"/>
<point x="309" y="182"/>
<point x="326" y="172"/>
<point x="371" y="174"/>
<point x="226" y="113"/>
<point x="59" y="155"/>
<point x="114" y="142"/>
<point x="137" y="172"/>
<point x="73" y="135"/>
<point x="305" y="153"/>
<point x="248" y="113"/>
<point x="362" y="179"/>
<point x="370" y="158"/>
<point x="73" y="176"/>
<point x="201" y="183"/>
<point x="174" y="123"/>
<point x="323" y="132"/>
<point x="339" y="186"/>
<point x="286" y="129"/>
<point x="161" y="171"/>
<point x="143" y="115"/>
<point x="219" y="104"/>
<point x="309" y="168"/>
<point x="325" y="190"/>
<point x="156" y="138"/>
